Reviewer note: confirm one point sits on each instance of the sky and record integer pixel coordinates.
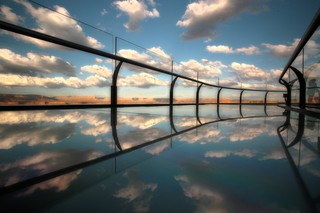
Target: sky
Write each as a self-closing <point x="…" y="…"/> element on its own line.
<point x="238" y="43"/>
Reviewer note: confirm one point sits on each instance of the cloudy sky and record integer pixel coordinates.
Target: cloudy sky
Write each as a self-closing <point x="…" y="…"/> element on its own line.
<point x="240" y="42"/>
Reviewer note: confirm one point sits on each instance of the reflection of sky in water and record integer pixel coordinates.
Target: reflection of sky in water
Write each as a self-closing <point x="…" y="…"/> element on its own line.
<point x="235" y="165"/>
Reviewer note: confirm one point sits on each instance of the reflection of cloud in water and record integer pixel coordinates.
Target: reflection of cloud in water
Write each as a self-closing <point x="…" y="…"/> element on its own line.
<point x="60" y="116"/>
<point x="207" y="200"/>
<point x="225" y="153"/>
<point x="134" y="138"/>
<point x="100" y="129"/>
<point x="137" y="192"/>
<point x="43" y="163"/>
<point x="276" y="154"/>
<point x="204" y="135"/>
<point x="141" y="121"/>
<point x="58" y="184"/>
<point x="13" y="135"/>
<point x="159" y="147"/>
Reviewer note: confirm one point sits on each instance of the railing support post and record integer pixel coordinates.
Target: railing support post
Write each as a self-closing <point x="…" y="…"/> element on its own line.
<point x="197" y="102"/>
<point x="114" y="89"/>
<point x="302" y="84"/>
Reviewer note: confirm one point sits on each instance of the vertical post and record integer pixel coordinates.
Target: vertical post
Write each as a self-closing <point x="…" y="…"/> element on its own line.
<point x="114" y="90"/>
<point x="241" y="97"/>
<point x="265" y="98"/>
<point x="197" y="103"/>
<point x="302" y="83"/>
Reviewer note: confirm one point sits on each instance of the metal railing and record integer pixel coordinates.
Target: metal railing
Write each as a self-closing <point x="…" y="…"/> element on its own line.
<point x="119" y="62"/>
<point x="299" y="73"/>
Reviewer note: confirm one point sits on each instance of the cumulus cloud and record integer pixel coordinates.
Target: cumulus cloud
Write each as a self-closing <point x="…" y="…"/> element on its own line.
<point x="202" y="17"/>
<point x="282" y="50"/>
<point x="137" y="11"/>
<point x="55" y="24"/>
<point x="248" y="72"/>
<point x="143" y="80"/>
<point x="98" y="70"/>
<point x="226" y="153"/>
<point x="33" y="64"/>
<point x="13" y="80"/>
<point x="7" y="15"/>
<point x="191" y="67"/>
<point x="226" y="49"/>
<point x="157" y="58"/>
<point x="141" y="121"/>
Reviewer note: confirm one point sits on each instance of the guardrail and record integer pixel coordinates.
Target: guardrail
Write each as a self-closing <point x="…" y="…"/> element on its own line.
<point x="299" y="73"/>
<point x="120" y="60"/>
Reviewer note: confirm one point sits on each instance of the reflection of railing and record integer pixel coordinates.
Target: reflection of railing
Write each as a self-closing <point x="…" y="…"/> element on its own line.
<point x="121" y="60"/>
<point x="120" y="151"/>
<point x="297" y="139"/>
<point x="299" y="73"/>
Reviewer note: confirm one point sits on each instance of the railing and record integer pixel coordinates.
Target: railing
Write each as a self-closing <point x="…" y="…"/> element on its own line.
<point x="119" y="62"/>
<point x="301" y="68"/>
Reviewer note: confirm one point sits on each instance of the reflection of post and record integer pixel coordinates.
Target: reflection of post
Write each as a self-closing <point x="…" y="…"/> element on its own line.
<point x="302" y="186"/>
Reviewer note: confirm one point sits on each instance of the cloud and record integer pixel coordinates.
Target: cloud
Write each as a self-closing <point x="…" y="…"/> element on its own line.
<point x="191" y="67"/>
<point x="33" y="64"/>
<point x="281" y="50"/>
<point x="143" y="80"/>
<point x="7" y="14"/>
<point x="13" y="80"/>
<point x="103" y="12"/>
<point x="98" y="70"/>
<point x="137" y="11"/>
<point x="226" y="153"/>
<point x="227" y="50"/>
<point x="55" y="24"/>
<point x="156" y="58"/>
<point x="202" y="17"/>
<point x="248" y="72"/>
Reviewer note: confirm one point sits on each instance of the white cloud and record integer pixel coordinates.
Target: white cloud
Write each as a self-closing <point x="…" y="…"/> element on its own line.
<point x="144" y="80"/>
<point x="98" y="60"/>
<point x="191" y="67"/>
<point x="163" y="62"/>
<point x="226" y="49"/>
<point x="33" y="64"/>
<point x="7" y="14"/>
<point x="248" y="72"/>
<point x="98" y="70"/>
<point x="202" y="17"/>
<point x="13" y="80"/>
<point x="55" y="24"/>
<point x="281" y="50"/>
<point x="137" y="11"/>
<point x="141" y="121"/>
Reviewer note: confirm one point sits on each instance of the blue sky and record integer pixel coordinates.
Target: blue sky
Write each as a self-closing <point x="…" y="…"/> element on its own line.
<point x="233" y="40"/>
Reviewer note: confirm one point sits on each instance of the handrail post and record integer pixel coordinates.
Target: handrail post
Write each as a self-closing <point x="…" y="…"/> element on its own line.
<point x="197" y="103"/>
<point x="171" y="89"/>
<point x="114" y="89"/>
<point x="302" y="84"/>
<point x="241" y="96"/>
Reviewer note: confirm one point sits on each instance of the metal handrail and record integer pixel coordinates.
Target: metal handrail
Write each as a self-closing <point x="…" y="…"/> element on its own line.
<point x="28" y="32"/>
<point x="305" y="38"/>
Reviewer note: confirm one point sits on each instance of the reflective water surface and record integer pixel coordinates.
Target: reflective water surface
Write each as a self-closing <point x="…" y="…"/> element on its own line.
<point x="209" y="158"/>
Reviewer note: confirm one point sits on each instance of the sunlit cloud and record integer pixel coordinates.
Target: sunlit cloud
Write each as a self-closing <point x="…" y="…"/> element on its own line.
<point x="248" y="72"/>
<point x="55" y="24"/>
<point x="137" y="12"/>
<point x="156" y="58"/>
<point x="158" y="148"/>
<point x="143" y="80"/>
<point x="13" y="80"/>
<point x="282" y="50"/>
<point x="33" y="64"/>
<point x="7" y="15"/>
<point x="102" y="71"/>
<point x="202" y="17"/>
<point x="191" y="67"/>
<point x="101" y="129"/>
<point x="228" y="50"/>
